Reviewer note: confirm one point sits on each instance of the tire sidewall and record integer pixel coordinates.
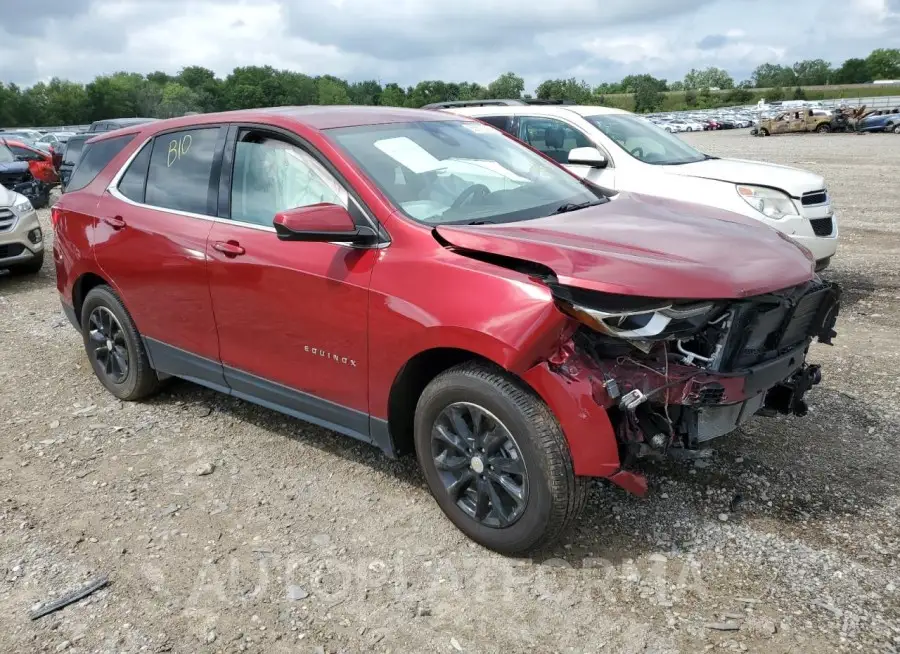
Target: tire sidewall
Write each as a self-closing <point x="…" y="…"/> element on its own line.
<point x="103" y="297"/>
<point x="464" y="388"/>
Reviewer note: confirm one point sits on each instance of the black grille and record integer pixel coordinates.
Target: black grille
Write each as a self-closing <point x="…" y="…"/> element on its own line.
<point x="12" y="250"/>
<point x="711" y="394"/>
<point x="771" y="325"/>
<point x="815" y="197"/>
<point x="822" y="226"/>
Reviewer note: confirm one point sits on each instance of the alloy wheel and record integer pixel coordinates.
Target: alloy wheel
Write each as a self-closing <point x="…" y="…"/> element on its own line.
<point x="479" y="464"/>
<point x="107" y="344"/>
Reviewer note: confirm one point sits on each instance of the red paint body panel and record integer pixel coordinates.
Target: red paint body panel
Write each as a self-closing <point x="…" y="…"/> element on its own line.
<point x="292" y="312"/>
<point x="647" y="246"/>
<point x="158" y="264"/>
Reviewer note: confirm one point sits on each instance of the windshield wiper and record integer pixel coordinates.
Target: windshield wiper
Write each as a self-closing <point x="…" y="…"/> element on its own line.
<point x="575" y="206"/>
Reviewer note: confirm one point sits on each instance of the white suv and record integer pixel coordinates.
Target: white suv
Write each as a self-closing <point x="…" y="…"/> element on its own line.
<point x="620" y="151"/>
<point x="21" y="239"/>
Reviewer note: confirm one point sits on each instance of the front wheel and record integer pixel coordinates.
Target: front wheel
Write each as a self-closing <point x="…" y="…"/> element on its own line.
<point x="496" y="460"/>
<point x="896" y="129"/>
<point x="114" y="346"/>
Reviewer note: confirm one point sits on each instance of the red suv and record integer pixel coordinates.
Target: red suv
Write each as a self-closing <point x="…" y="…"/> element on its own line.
<point x="422" y="282"/>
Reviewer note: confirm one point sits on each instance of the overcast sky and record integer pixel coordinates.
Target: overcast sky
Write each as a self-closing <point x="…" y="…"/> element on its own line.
<point x="454" y="40"/>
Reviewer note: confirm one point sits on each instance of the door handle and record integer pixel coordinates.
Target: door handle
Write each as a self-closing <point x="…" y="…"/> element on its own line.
<point x="116" y="222"/>
<point x="229" y="248"/>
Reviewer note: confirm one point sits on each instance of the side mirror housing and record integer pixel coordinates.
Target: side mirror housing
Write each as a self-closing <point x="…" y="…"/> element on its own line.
<point x="588" y="157"/>
<point x="322" y="223"/>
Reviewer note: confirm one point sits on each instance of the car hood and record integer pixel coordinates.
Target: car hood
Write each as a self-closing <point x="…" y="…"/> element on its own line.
<point x="7" y="197"/>
<point x="794" y="181"/>
<point x="648" y="246"/>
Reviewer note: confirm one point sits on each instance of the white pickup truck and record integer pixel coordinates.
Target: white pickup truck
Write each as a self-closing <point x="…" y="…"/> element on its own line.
<point x="620" y="151"/>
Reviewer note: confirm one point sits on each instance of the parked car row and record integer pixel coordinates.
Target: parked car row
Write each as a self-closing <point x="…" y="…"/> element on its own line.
<point x="321" y="262"/>
<point x="705" y="121"/>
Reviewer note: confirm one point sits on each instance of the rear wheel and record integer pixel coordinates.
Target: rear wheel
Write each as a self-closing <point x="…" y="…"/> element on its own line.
<point x="896" y="129"/>
<point x="114" y="346"/>
<point x="823" y="129"/>
<point x="496" y="460"/>
<point x="763" y="131"/>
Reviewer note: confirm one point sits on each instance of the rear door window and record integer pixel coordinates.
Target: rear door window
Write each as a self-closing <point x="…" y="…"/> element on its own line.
<point x="134" y="181"/>
<point x="94" y="158"/>
<point x="181" y="167"/>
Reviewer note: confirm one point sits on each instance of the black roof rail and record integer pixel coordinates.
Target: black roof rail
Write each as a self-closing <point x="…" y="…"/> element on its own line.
<point x="539" y="101"/>
<point x="473" y="103"/>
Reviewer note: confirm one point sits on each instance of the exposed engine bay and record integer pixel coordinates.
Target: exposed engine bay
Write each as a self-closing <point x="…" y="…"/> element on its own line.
<point x="674" y="375"/>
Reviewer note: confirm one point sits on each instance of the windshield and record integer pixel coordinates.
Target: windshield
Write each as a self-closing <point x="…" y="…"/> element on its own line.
<point x="451" y="171"/>
<point x="645" y="141"/>
<point x="6" y="155"/>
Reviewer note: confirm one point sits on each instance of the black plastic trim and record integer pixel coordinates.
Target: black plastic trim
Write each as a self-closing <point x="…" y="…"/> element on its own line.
<point x="174" y="361"/>
<point x="70" y="314"/>
<point x="310" y="408"/>
<point x="765" y="375"/>
<point x="380" y="435"/>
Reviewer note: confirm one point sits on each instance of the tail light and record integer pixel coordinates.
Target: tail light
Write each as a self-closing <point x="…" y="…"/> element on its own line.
<point x="55" y="215"/>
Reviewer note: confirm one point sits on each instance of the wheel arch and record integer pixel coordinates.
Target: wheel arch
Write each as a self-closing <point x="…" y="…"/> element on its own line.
<point x="410" y="382"/>
<point x="82" y="287"/>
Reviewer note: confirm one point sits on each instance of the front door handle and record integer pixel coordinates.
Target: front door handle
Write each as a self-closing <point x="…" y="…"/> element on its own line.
<point x="116" y="222"/>
<point x="229" y="248"/>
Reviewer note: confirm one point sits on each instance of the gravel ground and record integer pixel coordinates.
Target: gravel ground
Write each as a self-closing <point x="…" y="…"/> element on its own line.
<point x="224" y="527"/>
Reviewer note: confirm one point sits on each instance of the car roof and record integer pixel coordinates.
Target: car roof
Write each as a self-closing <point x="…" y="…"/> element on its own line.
<point x="536" y="110"/>
<point x="318" y="117"/>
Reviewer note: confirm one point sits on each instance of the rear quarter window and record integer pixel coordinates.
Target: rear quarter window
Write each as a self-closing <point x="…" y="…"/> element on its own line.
<point x="134" y="181"/>
<point x="73" y="151"/>
<point x="94" y="158"/>
<point x="500" y="122"/>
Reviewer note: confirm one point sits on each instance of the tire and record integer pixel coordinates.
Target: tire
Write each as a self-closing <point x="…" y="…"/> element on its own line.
<point x="896" y="129"/>
<point x="139" y="379"/>
<point x="823" y="129"/>
<point x="42" y="200"/>
<point x="552" y="496"/>
<point x="31" y="267"/>
<point x="763" y="131"/>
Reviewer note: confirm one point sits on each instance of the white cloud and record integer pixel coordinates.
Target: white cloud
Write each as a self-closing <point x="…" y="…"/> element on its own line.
<point x="411" y="40"/>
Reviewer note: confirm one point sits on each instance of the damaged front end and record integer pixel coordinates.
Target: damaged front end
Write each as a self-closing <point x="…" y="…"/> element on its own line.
<point x="673" y="375"/>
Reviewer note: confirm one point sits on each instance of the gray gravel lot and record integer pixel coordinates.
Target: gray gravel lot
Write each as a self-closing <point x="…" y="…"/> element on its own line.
<point x="225" y="527"/>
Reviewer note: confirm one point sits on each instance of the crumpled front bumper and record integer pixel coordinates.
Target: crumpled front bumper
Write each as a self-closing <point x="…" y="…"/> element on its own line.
<point x="617" y="408"/>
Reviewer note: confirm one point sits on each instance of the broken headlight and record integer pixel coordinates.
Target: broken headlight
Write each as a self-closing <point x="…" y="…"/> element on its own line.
<point x="633" y="318"/>
<point x="770" y="202"/>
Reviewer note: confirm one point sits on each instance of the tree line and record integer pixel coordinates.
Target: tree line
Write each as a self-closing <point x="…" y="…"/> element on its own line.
<point x="194" y="88"/>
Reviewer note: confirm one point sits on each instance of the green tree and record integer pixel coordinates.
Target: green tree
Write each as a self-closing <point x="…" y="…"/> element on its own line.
<point x="177" y="100"/>
<point x="738" y="96"/>
<point x="630" y="83"/>
<point x="707" y="78"/>
<point x="508" y="86"/>
<point x="472" y="91"/>
<point x="812" y="72"/>
<point x="690" y="98"/>
<point x="775" y="94"/>
<point x="332" y="91"/>
<point x="564" y="89"/>
<point x="647" y="96"/>
<point x="393" y="95"/>
<point x="677" y="85"/>
<point x="853" y="71"/>
<point x="368" y="93"/>
<point x="799" y="94"/>
<point x="772" y="75"/>
<point x="114" y="96"/>
<point x="884" y="63"/>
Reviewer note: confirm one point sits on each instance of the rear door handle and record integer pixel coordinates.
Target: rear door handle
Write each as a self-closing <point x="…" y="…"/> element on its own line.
<point x="116" y="222"/>
<point x="229" y="248"/>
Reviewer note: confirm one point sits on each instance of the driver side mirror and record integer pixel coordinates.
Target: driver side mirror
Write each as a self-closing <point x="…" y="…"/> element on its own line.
<point x="588" y="157"/>
<point x="322" y="223"/>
